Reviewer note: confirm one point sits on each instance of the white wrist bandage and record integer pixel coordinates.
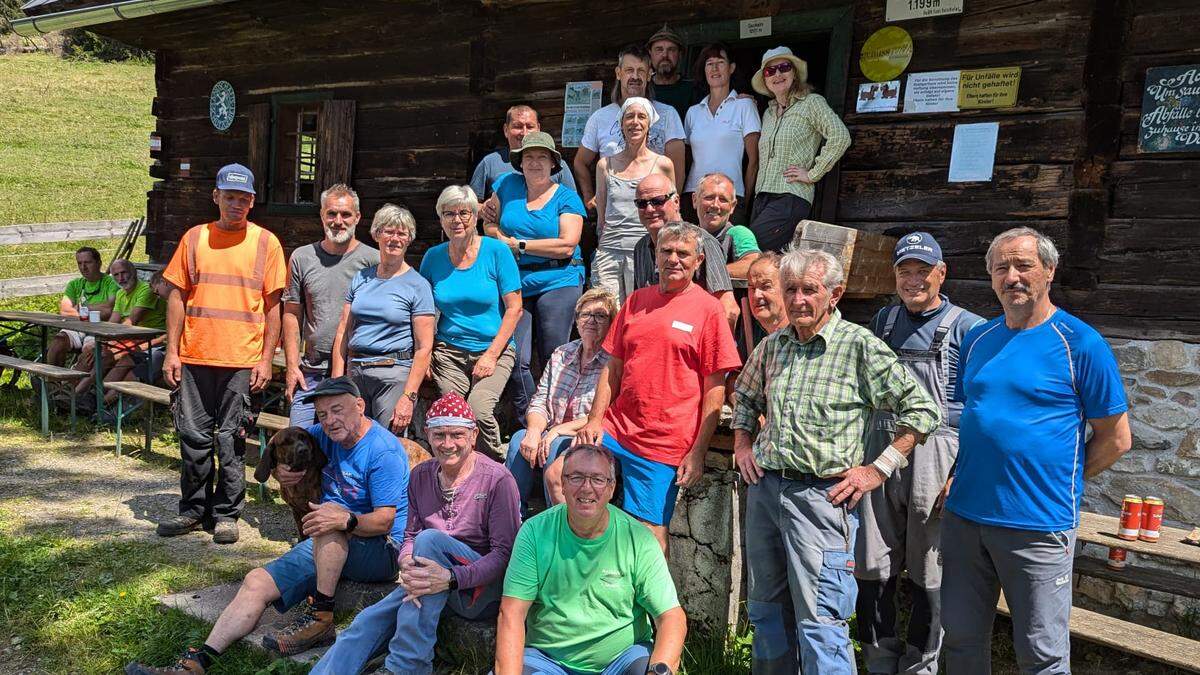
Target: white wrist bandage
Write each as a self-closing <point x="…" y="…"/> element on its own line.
<point x="889" y="461"/>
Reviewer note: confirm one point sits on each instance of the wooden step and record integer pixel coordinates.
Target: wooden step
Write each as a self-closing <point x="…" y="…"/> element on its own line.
<point x="272" y="422"/>
<point x="1142" y="577"/>
<point x="141" y="390"/>
<point x="1156" y="645"/>
<point x="45" y="370"/>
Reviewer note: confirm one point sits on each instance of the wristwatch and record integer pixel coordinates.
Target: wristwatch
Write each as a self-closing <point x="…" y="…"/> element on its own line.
<point x="453" y="582"/>
<point x="521" y="244"/>
<point x="351" y="523"/>
<point x="659" y="668"/>
<point x="411" y="395"/>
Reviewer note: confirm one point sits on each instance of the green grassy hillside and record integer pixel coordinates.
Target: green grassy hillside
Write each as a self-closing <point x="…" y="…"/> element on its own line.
<point x="73" y="139"/>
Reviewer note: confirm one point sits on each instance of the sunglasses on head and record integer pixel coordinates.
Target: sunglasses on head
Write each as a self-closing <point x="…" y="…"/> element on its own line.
<point x="785" y="67"/>
<point x="653" y="201"/>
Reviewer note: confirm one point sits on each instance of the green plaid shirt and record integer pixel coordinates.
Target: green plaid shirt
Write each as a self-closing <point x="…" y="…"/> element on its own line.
<point x="794" y="138"/>
<point x="817" y="397"/>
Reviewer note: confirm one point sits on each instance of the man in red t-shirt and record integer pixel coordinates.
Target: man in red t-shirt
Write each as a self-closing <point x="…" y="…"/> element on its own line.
<point x="659" y="398"/>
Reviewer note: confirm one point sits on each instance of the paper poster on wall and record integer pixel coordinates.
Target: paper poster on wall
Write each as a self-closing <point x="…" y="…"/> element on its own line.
<point x="1171" y="110"/>
<point x="989" y="88"/>
<point x="878" y="97"/>
<point x="903" y="10"/>
<point x="973" y="155"/>
<point x="886" y="54"/>
<point x="932" y="92"/>
<point x="580" y="100"/>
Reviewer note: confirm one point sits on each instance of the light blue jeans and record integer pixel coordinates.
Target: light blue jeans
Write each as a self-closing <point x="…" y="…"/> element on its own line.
<point x="408" y="631"/>
<point x="800" y="554"/>
<point x="519" y="467"/>
<point x="303" y="413"/>
<point x="632" y="661"/>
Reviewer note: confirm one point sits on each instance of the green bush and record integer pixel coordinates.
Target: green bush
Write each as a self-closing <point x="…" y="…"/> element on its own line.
<point x="9" y="10"/>
<point x="84" y="45"/>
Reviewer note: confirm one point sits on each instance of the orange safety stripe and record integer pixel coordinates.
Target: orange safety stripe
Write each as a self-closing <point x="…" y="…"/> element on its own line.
<point x="260" y="259"/>
<point x="228" y="280"/>
<point x="193" y="243"/>
<point x="226" y="314"/>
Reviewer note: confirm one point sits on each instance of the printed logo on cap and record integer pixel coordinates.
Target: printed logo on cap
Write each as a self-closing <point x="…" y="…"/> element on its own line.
<point x="914" y="238"/>
<point x="237" y="177"/>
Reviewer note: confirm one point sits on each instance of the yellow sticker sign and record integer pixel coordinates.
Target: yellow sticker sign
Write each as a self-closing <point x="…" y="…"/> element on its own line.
<point x="886" y="54"/>
<point x="989" y="88"/>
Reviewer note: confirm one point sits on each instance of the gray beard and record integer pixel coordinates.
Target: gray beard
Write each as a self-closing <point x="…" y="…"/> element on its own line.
<point x="345" y="236"/>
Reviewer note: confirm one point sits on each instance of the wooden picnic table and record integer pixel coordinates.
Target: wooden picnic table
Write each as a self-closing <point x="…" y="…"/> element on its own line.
<point x="102" y="331"/>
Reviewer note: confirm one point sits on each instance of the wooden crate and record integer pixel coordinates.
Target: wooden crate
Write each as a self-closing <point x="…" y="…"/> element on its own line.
<point x="866" y="258"/>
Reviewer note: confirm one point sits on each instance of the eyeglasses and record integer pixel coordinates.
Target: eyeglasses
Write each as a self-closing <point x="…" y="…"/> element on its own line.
<point x="465" y="214"/>
<point x="394" y="234"/>
<point x="653" y="201"/>
<point x="577" y="479"/>
<point x="785" y="67"/>
<point x="593" y="316"/>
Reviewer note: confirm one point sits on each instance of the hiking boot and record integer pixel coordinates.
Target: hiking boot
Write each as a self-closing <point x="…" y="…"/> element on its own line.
<point x="310" y="629"/>
<point x="186" y="664"/>
<point x="226" y="531"/>
<point x="177" y="525"/>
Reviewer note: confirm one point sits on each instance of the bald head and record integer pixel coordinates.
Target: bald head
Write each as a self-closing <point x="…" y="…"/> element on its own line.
<point x="654" y="216"/>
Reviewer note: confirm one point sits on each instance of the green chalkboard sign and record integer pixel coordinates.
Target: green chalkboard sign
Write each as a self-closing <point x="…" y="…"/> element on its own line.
<point x="1171" y="110"/>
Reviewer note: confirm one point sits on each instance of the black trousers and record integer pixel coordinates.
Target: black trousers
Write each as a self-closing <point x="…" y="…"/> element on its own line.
<point x="776" y="217"/>
<point x="212" y="412"/>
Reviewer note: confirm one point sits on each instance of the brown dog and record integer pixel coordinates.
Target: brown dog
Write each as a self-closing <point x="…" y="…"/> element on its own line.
<point x="296" y="450"/>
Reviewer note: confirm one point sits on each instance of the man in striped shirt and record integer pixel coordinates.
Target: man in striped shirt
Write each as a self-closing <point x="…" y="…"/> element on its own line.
<point x="816" y="384"/>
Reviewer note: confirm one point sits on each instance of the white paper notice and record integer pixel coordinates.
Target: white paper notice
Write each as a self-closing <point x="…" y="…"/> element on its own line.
<point x="580" y="100"/>
<point x="932" y="92"/>
<point x="974" y="153"/>
<point x="878" y="96"/>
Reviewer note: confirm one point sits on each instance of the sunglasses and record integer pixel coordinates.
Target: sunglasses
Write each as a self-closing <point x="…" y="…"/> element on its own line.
<point x="653" y="201"/>
<point x="785" y="67"/>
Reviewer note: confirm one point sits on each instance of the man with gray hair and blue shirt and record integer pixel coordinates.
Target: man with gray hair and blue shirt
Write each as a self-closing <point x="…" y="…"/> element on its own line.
<point x="318" y="275"/>
<point x="519" y="122"/>
<point x="1031" y="381"/>
<point x="900" y="521"/>
<point x="801" y="409"/>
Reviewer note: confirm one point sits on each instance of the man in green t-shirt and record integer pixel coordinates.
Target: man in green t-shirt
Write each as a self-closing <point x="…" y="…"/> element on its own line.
<point x="94" y="290"/>
<point x="716" y="202"/>
<point x="584" y="583"/>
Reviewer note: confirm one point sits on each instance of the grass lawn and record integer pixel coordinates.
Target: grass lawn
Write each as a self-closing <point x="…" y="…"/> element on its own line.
<point x="29" y="260"/>
<point x="75" y="139"/>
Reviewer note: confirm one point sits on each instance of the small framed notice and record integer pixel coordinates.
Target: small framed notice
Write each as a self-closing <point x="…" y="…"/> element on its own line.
<point x="752" y="28"/>
<point x="903" y="10"/>
<point x="973" y="155"/>
<point x="878" y="97"/>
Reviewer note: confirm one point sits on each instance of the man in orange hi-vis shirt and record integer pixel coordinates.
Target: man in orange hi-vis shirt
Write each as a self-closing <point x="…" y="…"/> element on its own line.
<point x="222" y="328"/>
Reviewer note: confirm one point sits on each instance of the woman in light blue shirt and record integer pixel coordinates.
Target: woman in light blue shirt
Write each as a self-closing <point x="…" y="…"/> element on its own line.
<point x="477" y="291"/>
<point x="540" y="222"/>
<point x="385" y="336"/>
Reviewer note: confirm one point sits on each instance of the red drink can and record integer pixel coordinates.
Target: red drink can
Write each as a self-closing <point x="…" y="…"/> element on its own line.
<point x="1131" y="518"/>
<point x="1116" y="558"/>
<point x="1152" y="513"/>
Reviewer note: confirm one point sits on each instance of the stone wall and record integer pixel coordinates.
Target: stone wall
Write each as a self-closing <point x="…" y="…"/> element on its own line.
<point x="1162" y="381"/>
<point x="705" y="556"/>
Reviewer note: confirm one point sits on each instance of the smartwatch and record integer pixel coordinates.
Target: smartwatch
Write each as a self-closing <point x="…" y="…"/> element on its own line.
<point x="453" y="582"/>
<point x="659" y="668"/>
<point x="521" y="243"/>
<point x="351" y="523"/>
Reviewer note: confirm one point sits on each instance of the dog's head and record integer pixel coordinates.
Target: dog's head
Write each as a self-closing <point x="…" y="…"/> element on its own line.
<point x="294" y="448"/>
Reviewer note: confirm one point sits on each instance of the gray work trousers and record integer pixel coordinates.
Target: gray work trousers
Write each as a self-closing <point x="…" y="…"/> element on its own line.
<point x="451" y="369"/>
<point x="381" y="388"/>
<point x="1034" y="570"/>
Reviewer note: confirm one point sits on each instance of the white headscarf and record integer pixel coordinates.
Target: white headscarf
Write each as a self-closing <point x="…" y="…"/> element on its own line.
<point x="645" y="104"/>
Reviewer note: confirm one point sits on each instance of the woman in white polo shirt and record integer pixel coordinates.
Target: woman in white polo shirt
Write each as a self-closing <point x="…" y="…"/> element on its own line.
<point x="721" y="129"/>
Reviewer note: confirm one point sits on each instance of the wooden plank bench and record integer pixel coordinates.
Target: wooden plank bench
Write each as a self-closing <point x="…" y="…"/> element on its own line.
<point x="1143" y="641"/>
<point x="46" y="374"/>
<point x="1099" y="529"/>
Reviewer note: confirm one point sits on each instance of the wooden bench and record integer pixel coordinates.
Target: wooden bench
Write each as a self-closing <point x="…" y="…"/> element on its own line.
<point x="46" y="374"/>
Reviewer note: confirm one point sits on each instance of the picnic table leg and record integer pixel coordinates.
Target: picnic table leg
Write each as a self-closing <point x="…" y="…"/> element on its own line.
<point x="120" y="414"/>
<point x="45" y="407"/>
<point x="72" y="411"/>
<point x="262" y="444"/>
<point x="149" y="423"/>
<point x="97" y="359"/>
<point x="45" y="341"/>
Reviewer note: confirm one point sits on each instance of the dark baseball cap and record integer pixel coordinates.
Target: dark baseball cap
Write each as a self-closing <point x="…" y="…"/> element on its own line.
<point x="235" y="177"/>
<point x="917" y="246"/>
<point x="334" y="386"/>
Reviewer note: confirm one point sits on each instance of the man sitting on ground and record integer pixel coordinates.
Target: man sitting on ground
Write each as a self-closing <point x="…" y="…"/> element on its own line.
<point x="589" y="579"/>
<point x="93" y="291"/>
<point x="351" y="535"/>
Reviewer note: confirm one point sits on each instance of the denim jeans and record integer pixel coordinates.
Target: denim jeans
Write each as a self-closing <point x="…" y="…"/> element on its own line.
<point x="410" y="631"/>
<point x="519" y="467"/>
<point x="545" y="324"/>
<point x="800" y="553"/>
<point x="303" y="413"/>
<point x="632" y="661"/>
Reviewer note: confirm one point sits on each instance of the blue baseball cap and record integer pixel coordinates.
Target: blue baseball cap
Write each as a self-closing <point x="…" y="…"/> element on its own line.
<point x="235" y="177"/>
<point x="917" y="246"/>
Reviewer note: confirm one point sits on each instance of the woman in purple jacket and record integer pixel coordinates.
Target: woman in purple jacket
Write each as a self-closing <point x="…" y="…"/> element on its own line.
<point x="463" y="515"/>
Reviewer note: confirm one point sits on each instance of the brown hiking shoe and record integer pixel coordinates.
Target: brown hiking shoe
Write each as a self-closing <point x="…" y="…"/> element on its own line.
<point x="187" y="664"/>
<point x="225" y="531"/>
<point x="310" y="629"/>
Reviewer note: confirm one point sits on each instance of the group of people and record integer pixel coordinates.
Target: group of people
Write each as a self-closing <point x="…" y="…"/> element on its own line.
<point x="930" y="442"/>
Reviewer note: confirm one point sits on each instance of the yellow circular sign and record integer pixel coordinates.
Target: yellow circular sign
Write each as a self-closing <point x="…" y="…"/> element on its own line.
<point x="886" y="54"/>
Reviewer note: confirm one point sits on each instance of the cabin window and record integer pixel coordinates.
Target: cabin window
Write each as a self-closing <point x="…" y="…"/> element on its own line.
<point x="300" y="144"/>
<point x="294" y="180"/>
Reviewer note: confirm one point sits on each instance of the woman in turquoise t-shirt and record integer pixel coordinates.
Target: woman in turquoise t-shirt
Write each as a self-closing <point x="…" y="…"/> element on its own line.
<point x="540" y="222"/>
<point x="477" y="292"/>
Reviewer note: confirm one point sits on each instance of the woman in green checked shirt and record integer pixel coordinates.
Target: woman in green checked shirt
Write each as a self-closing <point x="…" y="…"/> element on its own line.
<point x="793" y="127"/>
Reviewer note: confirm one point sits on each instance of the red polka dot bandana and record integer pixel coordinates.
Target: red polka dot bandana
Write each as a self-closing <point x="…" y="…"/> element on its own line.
<point x="451" y="410"/>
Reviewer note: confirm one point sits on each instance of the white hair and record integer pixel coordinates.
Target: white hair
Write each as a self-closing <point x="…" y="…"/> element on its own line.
<point x="797" y="261"/>
<point x="339" y="190"/>
<point x="682" y="231"/>
<point x="454" y="195"/>
<point x="1047" y="252"/>
<point x="390" y="215"/>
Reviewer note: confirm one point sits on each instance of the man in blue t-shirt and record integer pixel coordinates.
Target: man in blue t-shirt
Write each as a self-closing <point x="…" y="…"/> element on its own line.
<point x="1030" y="381"/>
<point x="901" y="521"/>
<point x="353" y="534"/>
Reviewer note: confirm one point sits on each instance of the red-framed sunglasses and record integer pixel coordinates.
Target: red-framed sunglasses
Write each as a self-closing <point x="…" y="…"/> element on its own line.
<point x="785" y="67"/>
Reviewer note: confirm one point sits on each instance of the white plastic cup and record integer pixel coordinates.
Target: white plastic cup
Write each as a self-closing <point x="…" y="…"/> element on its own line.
<point x="94" y="316"/>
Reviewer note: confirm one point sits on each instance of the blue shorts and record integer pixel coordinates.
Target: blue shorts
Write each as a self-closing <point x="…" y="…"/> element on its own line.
<point x="648" y="487"/>
<point x="370" y="560"/>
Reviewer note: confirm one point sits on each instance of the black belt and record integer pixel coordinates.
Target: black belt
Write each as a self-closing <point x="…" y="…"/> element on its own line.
<point x="380" y="360"/>
<point x="551" y="264"/>
<point x="793" y="474"/>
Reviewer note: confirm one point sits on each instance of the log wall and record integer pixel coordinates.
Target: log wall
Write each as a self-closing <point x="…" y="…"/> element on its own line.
<point x="432" y="80"/>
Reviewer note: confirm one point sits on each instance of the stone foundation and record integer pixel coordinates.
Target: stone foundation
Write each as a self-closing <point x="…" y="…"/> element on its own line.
<point x="705" y="553"/>
<point x="1162" y="382"/>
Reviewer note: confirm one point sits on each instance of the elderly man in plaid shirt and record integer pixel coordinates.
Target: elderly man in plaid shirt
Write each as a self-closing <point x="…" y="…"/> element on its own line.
<point x="816" y="384"/>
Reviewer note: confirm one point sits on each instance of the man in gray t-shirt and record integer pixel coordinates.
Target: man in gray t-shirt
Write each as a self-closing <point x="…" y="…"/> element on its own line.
<point x="318" y="276"/>
<point x="519" y="121"/>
